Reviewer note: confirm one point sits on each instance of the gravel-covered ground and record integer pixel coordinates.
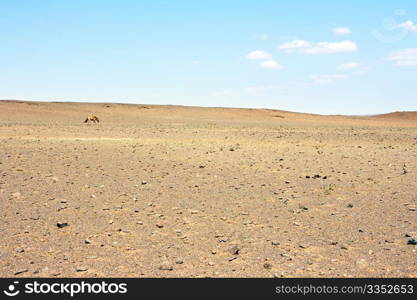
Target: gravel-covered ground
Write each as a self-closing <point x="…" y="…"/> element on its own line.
<point x="165" y="191"/>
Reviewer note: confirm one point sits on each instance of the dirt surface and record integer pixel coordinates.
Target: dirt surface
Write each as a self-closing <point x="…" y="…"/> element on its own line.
<point x="168" y="191"/>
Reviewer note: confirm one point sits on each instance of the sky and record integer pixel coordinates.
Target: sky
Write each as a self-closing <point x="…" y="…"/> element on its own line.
<point x="327" y="57"/>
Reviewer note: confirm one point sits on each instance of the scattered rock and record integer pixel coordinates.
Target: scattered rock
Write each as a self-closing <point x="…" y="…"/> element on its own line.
<point x="21" y="271"/>
<point x="81" y="269"/>
<point x="62" y="224"/>
<point x="166" y="267"/>
<point x="412" y="242"/>
<point x="235" y="250"/>
<point x="267" y="266"/>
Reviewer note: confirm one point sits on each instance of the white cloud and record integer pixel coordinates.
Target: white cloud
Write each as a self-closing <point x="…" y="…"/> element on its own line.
<point x="408" y="26"/>
<point x="258" y="54"/>
<point x="405" y="57"/>
<point x="271" y="64"/>
<point x="348" y="66"/>
<point x="342" y="31"/>
<point x="326" y="79"/>
<point x="296" y="44"/>
<point x="319" y="48"/>
<point x="329" y="48"/>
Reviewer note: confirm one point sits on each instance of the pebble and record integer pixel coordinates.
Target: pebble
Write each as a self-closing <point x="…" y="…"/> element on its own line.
<point x="81" y="269"/>
<point x="62" y="224"/>
<point x="166" y="267"/>
<point x="267" y="266"/>
<point x="21" y="271"/>
<point x="412" y="242"/>
<point x="234" y="250"/>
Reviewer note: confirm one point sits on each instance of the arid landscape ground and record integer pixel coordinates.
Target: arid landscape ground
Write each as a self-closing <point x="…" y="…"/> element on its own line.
<point x="171" y="191"/>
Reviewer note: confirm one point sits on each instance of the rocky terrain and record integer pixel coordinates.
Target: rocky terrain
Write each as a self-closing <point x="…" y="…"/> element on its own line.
<point x="171" y="191"/>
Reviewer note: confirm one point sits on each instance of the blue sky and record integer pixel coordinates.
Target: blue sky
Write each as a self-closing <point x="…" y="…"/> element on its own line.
<point x="329" y="57"/>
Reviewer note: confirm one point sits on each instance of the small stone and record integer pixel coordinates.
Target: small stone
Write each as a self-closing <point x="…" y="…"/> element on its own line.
<point x="21" y="271"/>
<point x="62" y="224"/>
<point x="81" y="269"/>
<point x="267" y="266"/>
<point x="210" y="263"/>
<point x="87" y="241"/>
<point x="234" y="250"/>
<point x="412" y="242"/>
<point x="166" y="267"/>
<point x="139" y="222"/>
<point x="275" y="243"/>
<point x="159" y="225"/>
<point x="302" y="207"/>
<point x="213" y="251"/>
<point x="179" y="262"/>
<point x="350" y="205"/>
<point x="144" y="182"/>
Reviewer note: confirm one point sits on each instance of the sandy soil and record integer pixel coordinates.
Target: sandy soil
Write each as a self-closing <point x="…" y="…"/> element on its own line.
<point x="168" y="191"/>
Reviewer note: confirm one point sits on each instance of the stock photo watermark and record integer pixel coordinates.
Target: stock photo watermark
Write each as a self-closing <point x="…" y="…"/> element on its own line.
<point x="63" y="288"/>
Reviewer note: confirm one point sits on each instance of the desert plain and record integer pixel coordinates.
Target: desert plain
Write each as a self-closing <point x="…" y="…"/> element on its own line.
<point x="173" y="191"/>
